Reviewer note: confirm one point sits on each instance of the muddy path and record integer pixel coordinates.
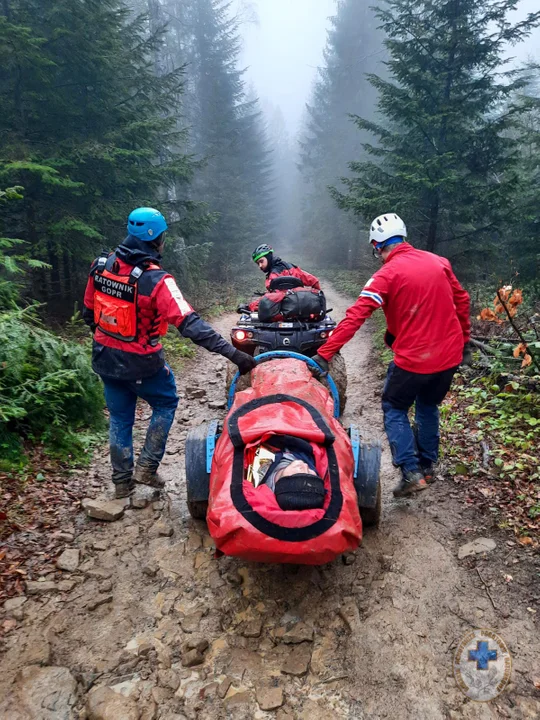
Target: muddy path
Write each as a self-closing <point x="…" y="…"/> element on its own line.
<point x="145" y="599"/>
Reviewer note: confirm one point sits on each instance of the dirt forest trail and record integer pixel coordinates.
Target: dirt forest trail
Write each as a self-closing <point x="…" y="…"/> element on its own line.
<point x="368" y="636"/>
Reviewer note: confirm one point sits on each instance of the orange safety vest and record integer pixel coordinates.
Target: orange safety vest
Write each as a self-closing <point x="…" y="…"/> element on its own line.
<point x="116" y="303"/>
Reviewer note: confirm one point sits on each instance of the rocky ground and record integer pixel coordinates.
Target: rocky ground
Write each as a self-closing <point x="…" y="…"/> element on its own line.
<point x="141" y="622"/>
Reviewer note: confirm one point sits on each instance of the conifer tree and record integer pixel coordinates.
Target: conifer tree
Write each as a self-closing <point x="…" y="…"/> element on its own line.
<point x="87" y="128"/>
<point x="354" y="48"/>
<point x="445" y="154"/>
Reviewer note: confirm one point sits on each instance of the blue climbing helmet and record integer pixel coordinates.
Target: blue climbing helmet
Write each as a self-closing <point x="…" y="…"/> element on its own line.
<point x="147" y="224"/>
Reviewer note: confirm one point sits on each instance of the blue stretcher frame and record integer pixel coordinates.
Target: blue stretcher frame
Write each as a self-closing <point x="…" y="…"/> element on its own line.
<point x="276" y="355"/>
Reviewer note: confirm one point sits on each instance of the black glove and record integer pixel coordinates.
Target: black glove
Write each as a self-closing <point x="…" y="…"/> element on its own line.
<point x="244" y="362"/>
<point x="323" y="364"/>
<point x="243" y="309"/>
<point x="467" y="355"/>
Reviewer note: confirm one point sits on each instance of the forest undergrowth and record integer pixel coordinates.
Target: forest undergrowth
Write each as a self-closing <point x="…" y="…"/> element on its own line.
<point x="490" y="420"/>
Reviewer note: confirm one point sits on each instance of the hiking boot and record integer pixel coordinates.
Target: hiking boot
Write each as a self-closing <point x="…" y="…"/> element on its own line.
<point x="429" y="473"/>
<point x="124" y="489"/>
<point x="145" y="476"/>
<point x="411" y="482"/>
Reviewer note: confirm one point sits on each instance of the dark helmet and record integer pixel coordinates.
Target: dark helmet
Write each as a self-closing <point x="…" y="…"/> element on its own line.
<point x="261" y="251"/>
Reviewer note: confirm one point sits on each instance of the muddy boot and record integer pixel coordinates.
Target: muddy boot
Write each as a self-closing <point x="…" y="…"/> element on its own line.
<point x="124" y="489"/>
<point x="146" y="476"/>
<point x="411" y="483"/>
<point x="429" y="473"/>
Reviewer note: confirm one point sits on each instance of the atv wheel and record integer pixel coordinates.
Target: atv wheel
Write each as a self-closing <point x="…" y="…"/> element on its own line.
<point x="338" y="371"/>
<point x="197" y="477"/>
<point x="368" y="483"/>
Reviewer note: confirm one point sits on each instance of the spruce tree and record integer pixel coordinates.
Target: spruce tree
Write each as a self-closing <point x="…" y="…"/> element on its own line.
<point x="87" y="128"/>
<point x="444" y="154"/>
<point x="329" y="140"/>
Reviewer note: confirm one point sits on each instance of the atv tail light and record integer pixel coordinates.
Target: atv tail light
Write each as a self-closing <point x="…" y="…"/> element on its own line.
<point x="250" y="335"/>
<point x="323" y="335"/>
<point x="240" y="335"/>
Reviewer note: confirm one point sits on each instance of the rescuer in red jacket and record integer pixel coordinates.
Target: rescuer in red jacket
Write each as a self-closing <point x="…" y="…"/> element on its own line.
<point x="129" y="303"/>
<point x="274" y="267"/>
<point x="428" y="328"/>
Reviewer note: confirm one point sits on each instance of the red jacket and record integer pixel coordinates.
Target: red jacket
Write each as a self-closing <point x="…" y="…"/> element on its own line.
<point x="427" y="311"/>
<point x="160" y="303"/>
<point x="280" y="268"/>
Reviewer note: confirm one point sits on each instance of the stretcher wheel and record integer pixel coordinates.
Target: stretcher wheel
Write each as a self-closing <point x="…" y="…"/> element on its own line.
<point x="368" y="483"/>
<point x="197" y="468"/>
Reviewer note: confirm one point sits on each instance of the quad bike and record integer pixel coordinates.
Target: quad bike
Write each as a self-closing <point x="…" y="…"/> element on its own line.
<point x="255" y="336"/>
<point x="246" y="521"/>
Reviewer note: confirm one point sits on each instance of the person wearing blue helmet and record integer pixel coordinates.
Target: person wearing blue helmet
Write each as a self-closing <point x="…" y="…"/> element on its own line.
<point x="129" y="303"/>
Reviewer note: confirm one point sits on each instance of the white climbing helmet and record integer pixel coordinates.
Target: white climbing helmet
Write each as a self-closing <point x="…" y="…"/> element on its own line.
<point x="385" y="227"/>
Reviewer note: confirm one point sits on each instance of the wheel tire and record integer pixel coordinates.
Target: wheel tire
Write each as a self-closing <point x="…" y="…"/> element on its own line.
<point x="338" y="371"/>
<point x="371" y="517"/>
<point x="198" y="510"/>
<point x="197" y="479"/>
<point x="368" y="483"/>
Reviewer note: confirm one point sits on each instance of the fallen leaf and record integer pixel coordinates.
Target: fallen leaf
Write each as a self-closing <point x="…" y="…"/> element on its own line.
<point x="536" y="683"/>
<point x="527" y="360"/>
<point x="525" y="541"/>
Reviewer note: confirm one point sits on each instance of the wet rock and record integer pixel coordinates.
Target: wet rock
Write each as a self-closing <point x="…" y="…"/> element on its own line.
<point x="223" y="687"/>
<point x="240" y="696"/>
<point x="217" y="405"/>
<point x="269" y="698"/>
<point x="66" y="586"/>
<point x="69" y="560"/>
<point x="102" y="703"/>
<point x="47" y="693"/>
<point x="190" y="623"/>
<point x="169" y="679"/>
<point x="161" y="695"/>
<point x="192" y="658"/>
<point x="150" y="569"/>
<point x="40" y="587"/>
<point x="39" y="653"/>
<point x="139" y="503"/>
<point x="163" y="529"/>
<point x="297" y="662"/>
<point x="297" y="634"/>
<point x="11" y="605"/>
<point x="476" y="547"/>
<point x="193" y="393"/>
<point x="108" y="510"/>
<point x="97" y="602"/>
<point x="252" y="628"/>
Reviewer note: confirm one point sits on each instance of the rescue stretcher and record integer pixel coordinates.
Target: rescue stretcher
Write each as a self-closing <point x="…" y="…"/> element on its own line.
<point x="284" y="399"/>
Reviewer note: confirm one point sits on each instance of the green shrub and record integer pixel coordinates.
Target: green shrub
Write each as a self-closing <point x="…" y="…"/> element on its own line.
<point x="48" y="392"/>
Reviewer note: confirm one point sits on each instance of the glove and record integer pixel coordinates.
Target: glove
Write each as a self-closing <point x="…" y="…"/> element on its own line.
<point x="243" y="309"/>
<point x="244" y="362"/>
<point x="323" y="364"/>
<point x="467" y="355"/>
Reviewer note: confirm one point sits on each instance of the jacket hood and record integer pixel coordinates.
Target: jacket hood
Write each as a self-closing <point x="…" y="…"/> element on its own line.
<point x="137" y="252"/>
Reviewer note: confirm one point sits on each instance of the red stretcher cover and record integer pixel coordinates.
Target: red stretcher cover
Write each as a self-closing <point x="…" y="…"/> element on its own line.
<point x="247" y="522"/>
